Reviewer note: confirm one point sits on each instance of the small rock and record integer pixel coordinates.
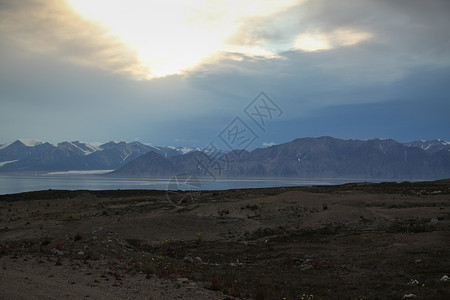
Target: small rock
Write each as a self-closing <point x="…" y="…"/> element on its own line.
<point x="94" y="238"/>
<point x="445" y="278"/>
<point x="183" y="280"/>
<point x="413" y="282"/>
<point x="306" y="267"/>
<point x="188" y="259"/>
<point x="418" y="260"/>
<point x="56" y="251"/>
<point x="409" y="296"/>
<point x="80" y="253"/>
<point x="198" y="260"/>
<point x="434" y="221"/>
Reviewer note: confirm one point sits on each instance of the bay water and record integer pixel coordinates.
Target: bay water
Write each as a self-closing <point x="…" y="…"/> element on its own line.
<point x="17" y="183"/>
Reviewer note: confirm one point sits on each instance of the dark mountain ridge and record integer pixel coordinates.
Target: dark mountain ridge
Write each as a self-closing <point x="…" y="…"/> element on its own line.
<point x="68" y="156"/>
<point x="323" y="157"/>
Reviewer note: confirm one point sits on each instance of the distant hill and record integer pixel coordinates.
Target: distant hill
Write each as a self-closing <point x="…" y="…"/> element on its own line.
<point x="150" y="164"/>
<point x="323" y="157"/>
<point x="155" y="165"/>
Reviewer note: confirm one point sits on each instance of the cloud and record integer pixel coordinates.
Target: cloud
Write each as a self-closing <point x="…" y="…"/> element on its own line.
<point x="51" y="27"/>
<point x="47" y="97"/>
<point x="65" y="77"/>
<point x="415" y="28"/>
<point x="367" y="46"/>
<point x="171" y="37"/>
<point x="337" y="38"/>
<point x="161" y="40"/>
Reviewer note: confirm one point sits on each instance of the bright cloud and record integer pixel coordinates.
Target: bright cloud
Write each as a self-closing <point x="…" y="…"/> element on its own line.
<point x="325" y="41"/>
<point x="172" y="36"/>
<point x="149" y="39"/>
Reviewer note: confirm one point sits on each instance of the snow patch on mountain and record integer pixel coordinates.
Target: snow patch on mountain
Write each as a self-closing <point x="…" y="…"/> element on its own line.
<point x="268" y="144"/>
<point x="30" y="142"/>
<point x="126" y="156"/>
<point x="26" y="142"/>
<point x="7" y="162"/>
<point x="87" y="148"/>
<point x="183" y="150"/>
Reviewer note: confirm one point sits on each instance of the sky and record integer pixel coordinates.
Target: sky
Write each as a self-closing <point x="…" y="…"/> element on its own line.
<point x="188" y="73"/>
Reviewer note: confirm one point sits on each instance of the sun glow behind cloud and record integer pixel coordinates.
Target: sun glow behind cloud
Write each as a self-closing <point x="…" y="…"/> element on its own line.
<point x="173" y="36"/>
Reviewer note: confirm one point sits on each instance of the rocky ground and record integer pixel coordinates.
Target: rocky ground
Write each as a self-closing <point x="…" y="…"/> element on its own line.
<point x="353" y="241"/>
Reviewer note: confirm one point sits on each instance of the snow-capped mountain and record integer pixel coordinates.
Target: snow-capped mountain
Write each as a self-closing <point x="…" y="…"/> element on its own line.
<point x="26" y="142"/>
<point x="324" y="157"/>
<point x="33" y="155"/>
<point x="432" y="146"/>
<point x="209" y="149"/>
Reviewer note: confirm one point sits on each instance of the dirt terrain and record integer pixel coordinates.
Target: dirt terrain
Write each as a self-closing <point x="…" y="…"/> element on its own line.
<point x="353" y="241"/>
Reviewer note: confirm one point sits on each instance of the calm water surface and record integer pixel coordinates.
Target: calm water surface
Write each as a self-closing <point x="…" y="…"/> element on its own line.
<point x="18" y="183"/>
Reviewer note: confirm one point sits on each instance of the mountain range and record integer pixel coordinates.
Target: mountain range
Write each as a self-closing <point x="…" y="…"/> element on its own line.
<point x="323" y="157"/>
<point x="31" y="155"/>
